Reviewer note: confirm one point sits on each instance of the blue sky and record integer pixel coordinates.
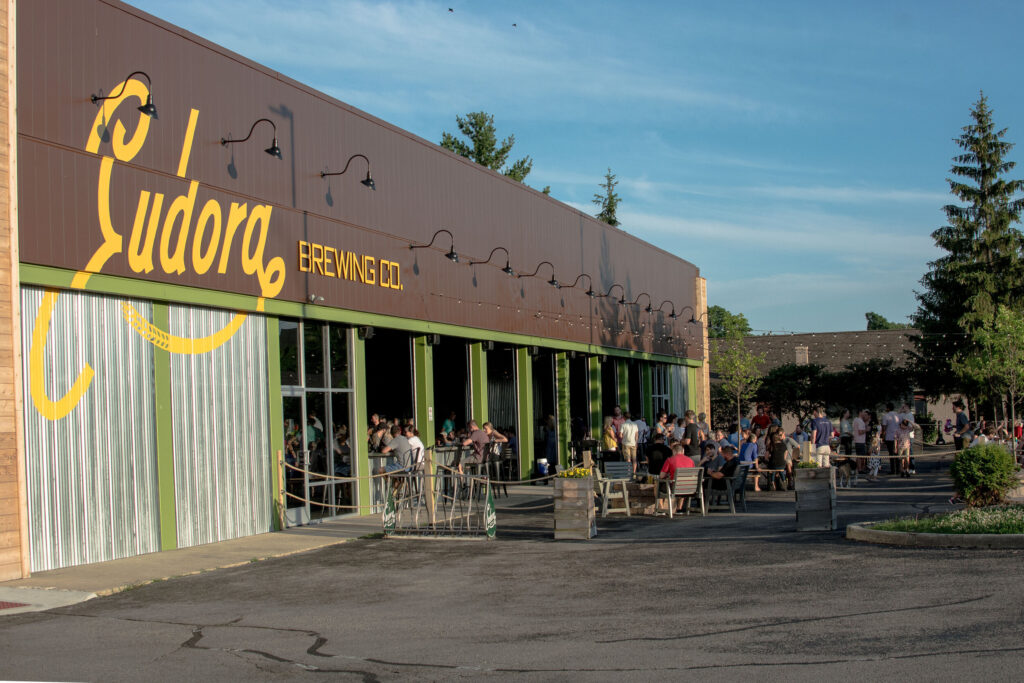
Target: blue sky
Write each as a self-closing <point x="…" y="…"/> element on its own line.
<point x="795" y="151"/>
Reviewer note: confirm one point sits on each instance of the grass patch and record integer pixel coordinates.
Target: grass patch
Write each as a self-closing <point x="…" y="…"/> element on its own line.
<point x="1006" y="519"/>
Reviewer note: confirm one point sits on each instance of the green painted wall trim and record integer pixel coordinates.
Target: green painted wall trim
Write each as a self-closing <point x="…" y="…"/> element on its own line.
<point x="478" y="381"/>
<point x="524" y="389"/>
<point x="275" y="413"/>
<point x="360" y="448"/>
<point x="562" y="401"/>
<point x="691" y="388"/>
<point x="622" y="382"/>
<point x="423" y="374"/>
<point x="59" y="278"/>
<point x="596" y="418"/>
<point x="647" y="389"/>
<point x="164" y="436"/>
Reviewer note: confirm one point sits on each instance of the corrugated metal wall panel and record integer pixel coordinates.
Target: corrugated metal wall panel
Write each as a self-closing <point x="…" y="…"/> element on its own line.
<point x="680" y="393"/>
<point x="91" y="475"/>
<point x="502" y="411"/>
<point x="222" y="461"/>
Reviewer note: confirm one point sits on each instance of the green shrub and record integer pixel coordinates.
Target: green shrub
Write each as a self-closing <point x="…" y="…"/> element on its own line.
<point x="990" y="520"/>
<point x="983" y="474"/>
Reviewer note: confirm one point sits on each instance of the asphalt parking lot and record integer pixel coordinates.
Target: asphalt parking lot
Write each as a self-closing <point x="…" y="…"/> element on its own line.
<point x="719" y="598"/>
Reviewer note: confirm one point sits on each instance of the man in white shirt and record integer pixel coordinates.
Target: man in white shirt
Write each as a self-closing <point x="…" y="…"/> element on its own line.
<point x="629" y="433"/>
<point x="860" y="439"/>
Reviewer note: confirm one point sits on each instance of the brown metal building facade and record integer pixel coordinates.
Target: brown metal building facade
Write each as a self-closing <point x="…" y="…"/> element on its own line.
<point x="156" y="266"/>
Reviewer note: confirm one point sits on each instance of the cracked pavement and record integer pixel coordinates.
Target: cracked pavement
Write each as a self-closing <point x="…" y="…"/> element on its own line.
<point x="719" y="598"/>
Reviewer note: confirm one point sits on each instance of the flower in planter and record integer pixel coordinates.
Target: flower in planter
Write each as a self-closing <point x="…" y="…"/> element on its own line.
<point x="575" y="473"/>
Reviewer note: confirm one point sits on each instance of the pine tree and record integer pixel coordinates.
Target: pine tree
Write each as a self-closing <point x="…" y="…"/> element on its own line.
<point x="608" y="201"/>
<point x="478" y="126"/>
<point x="982" y="266"/>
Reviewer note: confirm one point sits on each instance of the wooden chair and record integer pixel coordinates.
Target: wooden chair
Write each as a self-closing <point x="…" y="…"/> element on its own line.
<point x="688" y="482"/>
<point x="613" y="485"/>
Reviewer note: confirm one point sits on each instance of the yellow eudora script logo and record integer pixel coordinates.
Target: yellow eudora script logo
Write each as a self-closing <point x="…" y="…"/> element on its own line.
<point x="171" y="240"/>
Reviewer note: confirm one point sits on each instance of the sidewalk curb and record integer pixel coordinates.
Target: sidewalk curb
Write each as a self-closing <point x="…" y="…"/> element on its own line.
<point x="862" y="532"/>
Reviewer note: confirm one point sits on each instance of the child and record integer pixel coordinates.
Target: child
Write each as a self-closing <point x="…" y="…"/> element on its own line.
<point x="875" y="462"/>
<point x="903" y="436"/>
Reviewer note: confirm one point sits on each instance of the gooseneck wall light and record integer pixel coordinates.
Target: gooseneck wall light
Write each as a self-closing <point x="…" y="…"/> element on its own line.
<point x="637" y="300"/>
<point x="273" y="150"/>
<point x="367" y="181"/>
<point x="553" y="282"/>
<point x="590" y="284"/>
<point x="622" y="298"/>
<point x="149" y="109"/>
<point x="508" y="264"/>
<point x="672" y="315"/>
<point x="451" y="255"/>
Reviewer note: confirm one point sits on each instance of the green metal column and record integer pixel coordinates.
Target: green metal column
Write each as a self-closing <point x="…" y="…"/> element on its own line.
<point x="164" y="435"/>
<point x="691" y="388"/>
<point x="360" y="448"/>
<point x="596" y="418"/>
<point x="622" y="382"/>
<point x="562" y="401"/>
<point x="478" y="381"/>
<point x="423" y="371"/>
<point x="646" y="388"/>
<point x="275" y="411"/>
<point x="524" y="392"/>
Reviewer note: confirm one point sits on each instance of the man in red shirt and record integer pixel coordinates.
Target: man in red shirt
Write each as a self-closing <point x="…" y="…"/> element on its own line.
<point x="678" y="460"/>
<point x="761" y="420"/>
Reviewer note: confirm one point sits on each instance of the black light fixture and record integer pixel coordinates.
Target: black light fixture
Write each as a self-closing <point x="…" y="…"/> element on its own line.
<point x="553" y="282"/>
<point x="622" y="299"/>
<point x="508" y="264"/>
<point x="365" y="332"/>
<point x="273" y="150"/>
<point x="433" y="339"/>
<point x="693" y="320"/>
<point x="590" y="284"/>
<point x="367" y="181"/>
<point x="637" y="300"/>
<point x="149" y="109"/>
<point x="451" y="255"/>
<point x="672" y="315"/>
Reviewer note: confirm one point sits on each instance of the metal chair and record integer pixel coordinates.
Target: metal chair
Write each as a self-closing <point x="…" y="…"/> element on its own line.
<point x="613" y="485"/>
<point x="735" y="490"/>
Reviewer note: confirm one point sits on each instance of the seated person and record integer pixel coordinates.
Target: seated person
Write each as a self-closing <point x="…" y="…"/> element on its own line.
<point x="400" y="448"/>
<point x="748" y="451"/>
<point x="678" y="460"/>
<point x="480" y="440"/>
<point x="728" y="468"/>
<point x="657" y="454"/>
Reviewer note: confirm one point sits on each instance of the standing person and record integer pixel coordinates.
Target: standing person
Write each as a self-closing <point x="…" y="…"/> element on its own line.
<point x="821" y="436"/>
<point x="660" y="426"/>
<point x="860" y="439"/>
<point x="962" y="428"/>
<point x="617" y="419"/>
<point x="761" y="419"/>
<point x="629" y="434"/>
<point x="643" y="438"/>
<point x="875" y="462"/>
<point x="846" y="433"/>
<point x="907" y="414"/>
<point x="480" y="439"/>
<point x="609" y="444"/>
<point x="691" y="435"/>
<point x="903" y="438"/>
<point x="703" y="427"/>
<point x="890" y="431"/>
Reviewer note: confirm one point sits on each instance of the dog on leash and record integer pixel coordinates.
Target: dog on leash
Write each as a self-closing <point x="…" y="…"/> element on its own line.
<point x="846" y="473"/>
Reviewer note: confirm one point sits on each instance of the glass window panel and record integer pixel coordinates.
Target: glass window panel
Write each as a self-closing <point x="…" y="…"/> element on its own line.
<point x="289" y="341"/>
<point x="341" y="450"/>
<point x="293" y="448"/>
<point x="313" y="348"/>
<point x="338" y="339"/>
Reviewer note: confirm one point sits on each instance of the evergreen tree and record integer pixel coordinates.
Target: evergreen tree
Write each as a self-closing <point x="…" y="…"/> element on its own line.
<point x="982" y="266"/>
<point x="478" y="126"/>
<point x="609" y="200"/>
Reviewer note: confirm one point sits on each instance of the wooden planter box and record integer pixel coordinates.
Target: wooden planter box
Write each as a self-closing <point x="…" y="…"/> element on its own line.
<point x="574" y="509"/>
<point x="815" y="498"/>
